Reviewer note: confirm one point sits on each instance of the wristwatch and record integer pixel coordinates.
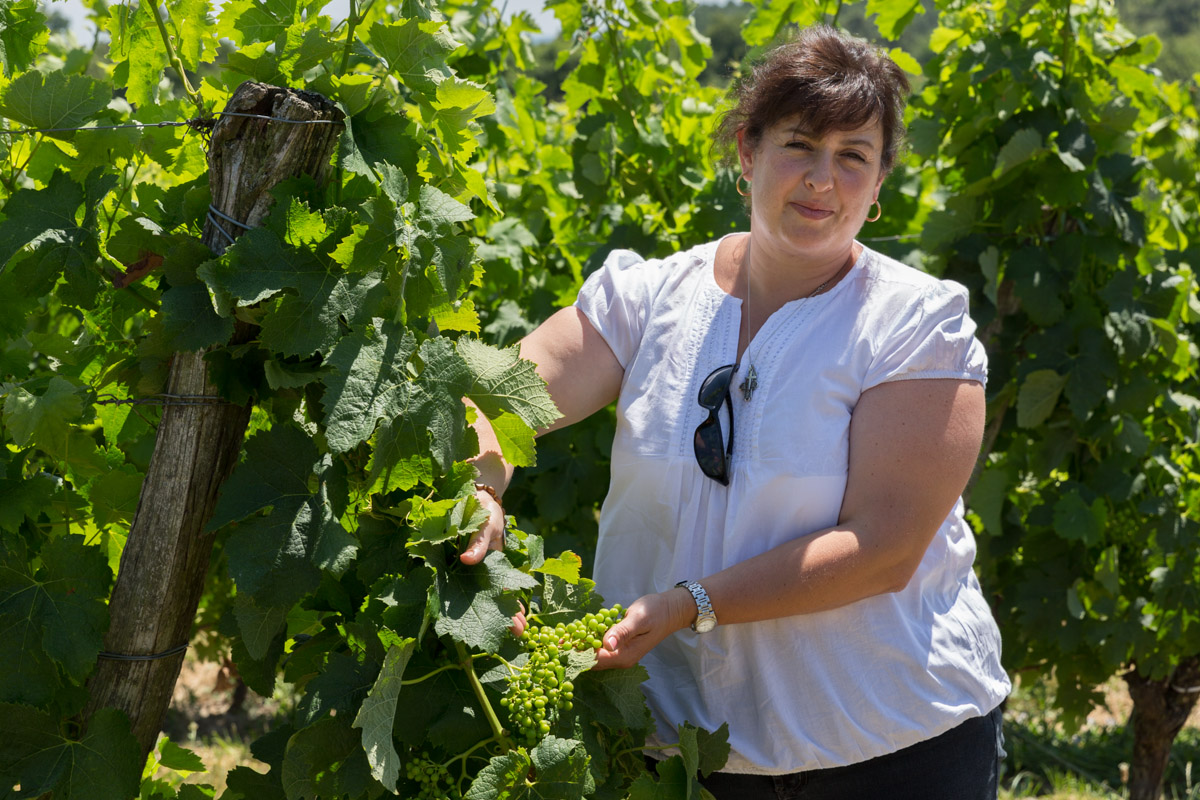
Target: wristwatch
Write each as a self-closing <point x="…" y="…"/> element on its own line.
<point x="706" y="618"/>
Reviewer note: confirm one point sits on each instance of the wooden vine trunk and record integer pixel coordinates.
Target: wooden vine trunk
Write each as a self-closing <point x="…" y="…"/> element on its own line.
<point x="1160" y="709"/>
<point x="165" y="559"/>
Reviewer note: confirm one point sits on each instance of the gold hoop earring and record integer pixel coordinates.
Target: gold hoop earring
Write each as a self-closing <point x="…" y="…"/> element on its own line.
<point x="878" y="213"/>
<point x="738" y="185"/>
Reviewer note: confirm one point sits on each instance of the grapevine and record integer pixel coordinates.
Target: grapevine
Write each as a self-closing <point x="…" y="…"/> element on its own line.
<point x="433" y="780"/>
<point x="539" y="692"/>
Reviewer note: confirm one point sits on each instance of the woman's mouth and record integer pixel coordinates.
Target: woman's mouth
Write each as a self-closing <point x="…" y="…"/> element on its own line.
<point x="812" y="212"/>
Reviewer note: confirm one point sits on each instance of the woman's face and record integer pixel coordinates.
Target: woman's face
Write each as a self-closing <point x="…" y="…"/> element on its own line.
<point x="811" y="194"/>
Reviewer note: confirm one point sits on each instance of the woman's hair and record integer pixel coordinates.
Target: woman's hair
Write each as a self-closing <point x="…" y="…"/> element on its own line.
<point x="827" y="80"/>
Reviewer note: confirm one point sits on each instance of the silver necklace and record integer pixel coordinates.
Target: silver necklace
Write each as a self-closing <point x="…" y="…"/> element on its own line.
<point x="750" y="382"/>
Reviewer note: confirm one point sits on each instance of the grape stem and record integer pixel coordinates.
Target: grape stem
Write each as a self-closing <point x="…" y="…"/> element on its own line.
<point x="428" y="675"/>
<point x="465" y="662"/>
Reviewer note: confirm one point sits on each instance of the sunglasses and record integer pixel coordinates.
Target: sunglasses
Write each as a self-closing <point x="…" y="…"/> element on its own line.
<point x="712" y="454"/>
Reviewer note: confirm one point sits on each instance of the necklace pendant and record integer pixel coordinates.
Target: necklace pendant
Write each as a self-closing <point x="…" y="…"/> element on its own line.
<point x="749" y="384"/>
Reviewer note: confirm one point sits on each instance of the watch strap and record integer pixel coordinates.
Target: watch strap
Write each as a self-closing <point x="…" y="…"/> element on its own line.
<point x="706" y="618"/>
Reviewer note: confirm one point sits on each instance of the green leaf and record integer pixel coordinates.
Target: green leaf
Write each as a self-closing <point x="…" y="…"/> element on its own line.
<point x="44" y="219"/>
<point x="988" y="496"/>
<point x="180" y="759"/>
<point x="54" y="100"/>
<point x="325" y="759"/>
<point x="114" y="496"/>
<point x="260" y="265"/>
<point x="63" y="605"/>
<point x="258" y="624"/>
<point x="370" y="383"/>
<point x="23" y="497"/>
<point x="339" y="688"/>
<point x="702" y="751"/>
<point x="370" y="143"/>
<point x="1075" y="520"/>
<point x="1024" y="145"/>
<point x="46" y="418"/>
<point x="566" y="566"/>
<point x="189" y="321"/>
<point x="459" y="103"/>
<point x="614" y="697"/>
<point x="194" y="30"/>
<point x="1038" y="397"/>
<point x="277" y="557"/>
<point x="414" y="51"/>
<point x="23" y="34"/>
<point x="378" y="715"/>
<point x="137" y="41"/>
<point x="562" y="772"/>
<point x="441" y="210"/>
<point x="503" y="381"/>
<point x="516" y="439"/>
<point x="434" y="421"/>
<point x="475" y="608"/>
<point x="893" y="16"/>
<point x="502" y="773"/>
<point x="103" y="763"/>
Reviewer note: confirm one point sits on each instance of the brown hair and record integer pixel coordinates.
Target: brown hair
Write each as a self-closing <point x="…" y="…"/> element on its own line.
<point x="827" y="80"/>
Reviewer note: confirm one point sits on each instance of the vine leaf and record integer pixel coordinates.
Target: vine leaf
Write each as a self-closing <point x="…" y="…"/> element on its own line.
<point x="1075" y="520"/>
<point x="414" y="51"/>
<point x="23" y="34"/>
<point x="62" y="605"/>
<point x="54" y="100"/>
<point x="434" y="421"/>
<point x="893" y="16"/>
<point x="1038" y="397"/>
<point x="136" y="40"/>
<point x="309" y="752"/>
<point x="503" y="381"/>
<point x="562" y="772"/>
<point x="614" y="697"/>
<point x="501" y="773"/>
<point x="44" y="419"/>
<point x="275" y="557"/>
<point x="377" y="715"/>
<point x="258" y="624"/>
<point x="369" y="383"/>
<point x="45" y="219"/>
<point x="476" y="608"/>
<point x="702" y="751"/>
<point x="34" y="754"/>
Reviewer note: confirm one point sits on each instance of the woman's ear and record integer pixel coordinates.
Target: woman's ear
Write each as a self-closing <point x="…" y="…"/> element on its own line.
<point x="745" y="154"/>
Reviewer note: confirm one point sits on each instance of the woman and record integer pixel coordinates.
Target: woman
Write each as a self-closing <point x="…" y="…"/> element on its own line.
<point x="797" y="419"/>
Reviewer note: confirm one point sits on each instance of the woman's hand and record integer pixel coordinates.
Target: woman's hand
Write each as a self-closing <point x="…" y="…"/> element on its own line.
<point x="491" y="535"/>
<point x="649" y="620"/>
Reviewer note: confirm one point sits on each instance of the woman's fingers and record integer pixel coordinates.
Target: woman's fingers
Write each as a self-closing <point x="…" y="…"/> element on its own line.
<point x="519" y="622"/>
<point x="490" y="536"/>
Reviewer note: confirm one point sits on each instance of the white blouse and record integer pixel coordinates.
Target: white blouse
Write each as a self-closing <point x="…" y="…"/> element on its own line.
<point x="814" y="690"/>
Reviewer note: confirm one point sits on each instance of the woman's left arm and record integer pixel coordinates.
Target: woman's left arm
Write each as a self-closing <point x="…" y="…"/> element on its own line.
<point x="913" y="444"/>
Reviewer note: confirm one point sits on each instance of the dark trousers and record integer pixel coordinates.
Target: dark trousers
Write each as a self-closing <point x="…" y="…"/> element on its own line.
<point x="960" y="764"/>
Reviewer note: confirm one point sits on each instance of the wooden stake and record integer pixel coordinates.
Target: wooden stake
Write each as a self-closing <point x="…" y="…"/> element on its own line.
<point x="165" y="560"/>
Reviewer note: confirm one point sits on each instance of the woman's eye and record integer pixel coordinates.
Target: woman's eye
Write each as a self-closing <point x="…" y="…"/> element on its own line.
<point x="798" y="145"/>
<point x="854" y="156"/>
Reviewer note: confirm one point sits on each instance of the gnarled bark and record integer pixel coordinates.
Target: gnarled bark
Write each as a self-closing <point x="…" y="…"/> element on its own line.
<point x="1160" y="709"/>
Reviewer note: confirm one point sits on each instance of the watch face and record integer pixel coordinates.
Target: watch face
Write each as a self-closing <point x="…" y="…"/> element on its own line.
<point x="705" y="624"/>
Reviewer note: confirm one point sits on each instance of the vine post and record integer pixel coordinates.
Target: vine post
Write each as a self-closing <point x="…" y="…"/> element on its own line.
<point x="163" y="565"/>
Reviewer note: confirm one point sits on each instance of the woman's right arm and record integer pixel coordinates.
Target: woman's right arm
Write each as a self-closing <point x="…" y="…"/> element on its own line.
<point x="582" y="376"/>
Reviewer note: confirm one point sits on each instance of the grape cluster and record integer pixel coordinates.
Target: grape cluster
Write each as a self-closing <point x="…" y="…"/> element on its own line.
<point x="433" y="780"/>
<point x="539" y="690"/>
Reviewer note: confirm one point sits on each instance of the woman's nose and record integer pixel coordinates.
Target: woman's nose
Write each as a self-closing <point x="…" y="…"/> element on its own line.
<point x="819" y="177"/>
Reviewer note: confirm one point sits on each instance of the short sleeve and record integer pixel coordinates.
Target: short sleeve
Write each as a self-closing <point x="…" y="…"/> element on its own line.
<point x="616" y="299"/>
<point x="932" y="337"/>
